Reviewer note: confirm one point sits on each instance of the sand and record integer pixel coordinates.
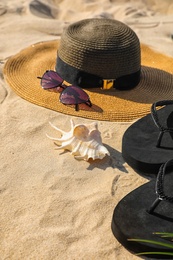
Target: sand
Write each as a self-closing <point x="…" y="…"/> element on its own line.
<point x="52" y="206"/>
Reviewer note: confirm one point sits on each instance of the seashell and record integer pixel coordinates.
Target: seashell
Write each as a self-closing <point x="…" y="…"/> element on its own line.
<point x="84" y="141"/>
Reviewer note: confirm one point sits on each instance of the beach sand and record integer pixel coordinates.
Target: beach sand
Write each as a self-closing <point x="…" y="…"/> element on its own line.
<point x="53" y="206"/>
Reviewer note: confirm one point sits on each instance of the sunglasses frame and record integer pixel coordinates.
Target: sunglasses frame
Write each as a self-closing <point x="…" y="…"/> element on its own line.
<point x="65" y="89"/>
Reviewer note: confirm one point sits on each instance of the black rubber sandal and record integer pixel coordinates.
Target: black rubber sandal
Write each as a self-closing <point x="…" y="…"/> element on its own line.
<point x="144" y="211"/>
<point x="148" y="143"/>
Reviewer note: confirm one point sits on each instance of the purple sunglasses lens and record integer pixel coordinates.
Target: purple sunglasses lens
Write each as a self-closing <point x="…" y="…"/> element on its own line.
<point x="73" y="95"/>
<point x="50" y="79"/>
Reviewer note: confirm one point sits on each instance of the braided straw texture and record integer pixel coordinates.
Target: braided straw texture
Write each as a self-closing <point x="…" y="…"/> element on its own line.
<point x="22" y="69"/>
<point x="103" y="47"/>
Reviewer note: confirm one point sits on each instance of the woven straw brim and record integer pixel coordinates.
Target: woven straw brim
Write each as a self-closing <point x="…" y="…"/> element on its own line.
<point x="21" y="72"/>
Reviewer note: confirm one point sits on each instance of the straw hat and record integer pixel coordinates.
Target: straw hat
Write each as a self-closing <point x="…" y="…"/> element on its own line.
<point x="95" y="54"/>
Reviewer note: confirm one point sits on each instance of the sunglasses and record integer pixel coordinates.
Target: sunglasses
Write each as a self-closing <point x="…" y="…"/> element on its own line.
<point x="69" y="95"/>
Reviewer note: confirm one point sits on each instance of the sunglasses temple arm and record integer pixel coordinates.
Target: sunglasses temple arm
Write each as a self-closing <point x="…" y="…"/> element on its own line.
<point x="76" y="107"/>
<point x="88" y="103"/>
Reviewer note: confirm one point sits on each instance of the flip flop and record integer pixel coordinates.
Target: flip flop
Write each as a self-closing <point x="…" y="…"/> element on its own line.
<point x="148" y="143"/>
<point x="145" y="211"/>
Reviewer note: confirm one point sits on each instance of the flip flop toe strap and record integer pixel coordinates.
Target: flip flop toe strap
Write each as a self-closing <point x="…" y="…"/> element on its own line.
<point x="160" y="186"/>
<point x="156" y="120"/>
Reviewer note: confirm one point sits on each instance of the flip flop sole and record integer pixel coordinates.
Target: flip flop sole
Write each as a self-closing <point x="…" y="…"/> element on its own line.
<point x="131" y="219"/>
<point x="139" y="143"/>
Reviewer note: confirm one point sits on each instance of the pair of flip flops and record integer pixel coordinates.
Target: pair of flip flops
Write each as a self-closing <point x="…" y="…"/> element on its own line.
<point x="145" y="214"/>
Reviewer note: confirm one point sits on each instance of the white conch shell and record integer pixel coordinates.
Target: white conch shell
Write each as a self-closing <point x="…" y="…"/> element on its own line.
<point x="84" y="141"/>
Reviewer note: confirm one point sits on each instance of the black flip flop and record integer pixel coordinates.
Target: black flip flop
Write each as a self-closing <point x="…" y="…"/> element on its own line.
<point x="148" y="143"/>
<point x="145" y="211"/>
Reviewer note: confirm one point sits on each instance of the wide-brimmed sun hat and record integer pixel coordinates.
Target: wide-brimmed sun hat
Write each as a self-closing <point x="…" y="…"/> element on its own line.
<point x="95" y="54"/>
